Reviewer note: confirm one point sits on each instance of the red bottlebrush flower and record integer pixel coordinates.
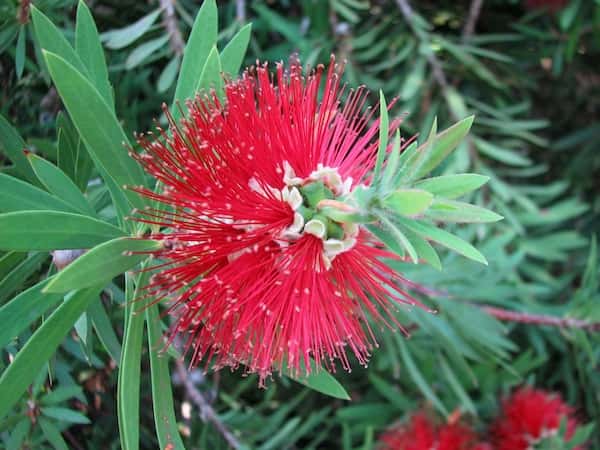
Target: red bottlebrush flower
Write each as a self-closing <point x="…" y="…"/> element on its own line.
<point x="528" y="416"/>
<point x="420" y="433"/>
<point x="256" y="275"/>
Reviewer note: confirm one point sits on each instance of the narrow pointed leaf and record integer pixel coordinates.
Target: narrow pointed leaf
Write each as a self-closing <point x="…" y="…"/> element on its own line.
<point x="162" y="386"/>
<point x="52" y="40"/>
<point x="408" y="202"/>
<point x="40" y="347"/>
<point x="18" y="195"/>
<point x="211" y="77"/>
<point x="103" y="262"/>
<point x="233" y="54"/>
<point x="89" y="49"/>
<point x="459" y="212"/>
<point x="383" y="138"/>
<point x="24" y="309"/>
<point x="322" y="381"/>
<point x="117" y="39"/>
<point x="97" y="126"/>
<point x="52" y="230"/>
<point x="445" y="143"/>
<point x="452" y="186"/>
<point x="203" y="38"/>
<point x="12" y="145"/>
<point x="59" y="184"/>
<point x="444" y="238"/>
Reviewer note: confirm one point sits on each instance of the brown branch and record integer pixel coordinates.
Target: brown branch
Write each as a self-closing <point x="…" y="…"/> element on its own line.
<point x="170" y="22"/>
<point x="207" y="413"/>
<point x="474" y="11"/>
<point x="240" y="11"/>
<point x="540" y="319"/>
<point x="436" y="66"/>
<point x="23" y="11"/>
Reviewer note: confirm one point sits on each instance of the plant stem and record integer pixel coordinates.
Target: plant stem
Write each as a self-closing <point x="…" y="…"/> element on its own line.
<point x="207" y="413"/>
<point x="540" y="319"/>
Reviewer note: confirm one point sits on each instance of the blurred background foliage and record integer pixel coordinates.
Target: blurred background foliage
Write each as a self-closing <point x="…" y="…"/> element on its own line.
<point x="529" y="74"/>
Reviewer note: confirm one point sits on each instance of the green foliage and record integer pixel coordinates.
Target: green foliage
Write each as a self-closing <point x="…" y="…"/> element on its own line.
<point x="530" y="155"/>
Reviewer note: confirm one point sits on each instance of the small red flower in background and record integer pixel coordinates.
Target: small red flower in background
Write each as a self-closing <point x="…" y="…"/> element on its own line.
<point x="529" y="415"/>
<point x="420" y="433"/>
<point x="254" y="273"/>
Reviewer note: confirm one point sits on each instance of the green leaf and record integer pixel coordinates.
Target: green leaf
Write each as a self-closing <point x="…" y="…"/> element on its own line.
<point x="322" y="381"/>
<point x="59" y="184"/>
<point x="97" y="126"/>
<point x="408" y="202"/>
<point x="52" y="434"/>
<point x="392" y="163"/>
<point x="9" y="261"/>
<point x="128" y="385"/>
<point x="444" y="143"/>
<point x="203" y="38"/>
<point x="211" y="73"/>
<point x="143" y="51"/>
<point x="18" y="435"/>
<point x="18" y="195"/>
<point x="52" y="40"/>
<point x="167" y="76"/>
<point x="65" y="414"/>
<point x="117" y="39"/>
<point x="233" y="54"/>
<point x="418" y="378"/>
<point x="452" y="186"/>
<point x="89" y="49"/>
<point x="15" y="279"/>
<point x="13" y="145"/>
<point x="400" y="237"/>
<point x="444" y="238"/>
<point x="383" y="139"/>
<point x="52" y="230"/>
<point x="104" y="330"/>
<point x="24" y="309"/>
<point x="504" y="155"/>
<point x="424" y="249"/>
<point x="162" y="386"/>
<point x="102" y="263"/>
<point x="20" y="55"/>
<point x="61" y="394"/>
<point x="40" y="347"/>
<point x="459" y="212"/>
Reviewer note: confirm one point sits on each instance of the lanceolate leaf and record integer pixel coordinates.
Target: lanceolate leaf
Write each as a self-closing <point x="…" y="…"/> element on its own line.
<point x="210" y="78"/>
<point x="40" y="347"/>
<point x="89" y="49"/>
<point x="52" y="230"/>
<point x="97" y="126"/>
<point x="408" y="202"/>
<point x="18" y="195"/>
<point x="52" y="40"/>
<point x="452" y="186"/>
<point x="322" y="381"/>
<point x="460" y="212"/>
<point x="383" y="138"/>
<point x="101" y="263"/>
<point x="122" y="37"/>
<point x="162" y="389"/>
<point x="13" y="145"/>
<point x="22" y="310"/>
<point x="128" y="386"/>
<point x="59" y="184"/>
<point x="202" y="39"/>
<point x="444" y="143"/>
<point x="444" y="238"/>
<point x="233" y="54"/>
